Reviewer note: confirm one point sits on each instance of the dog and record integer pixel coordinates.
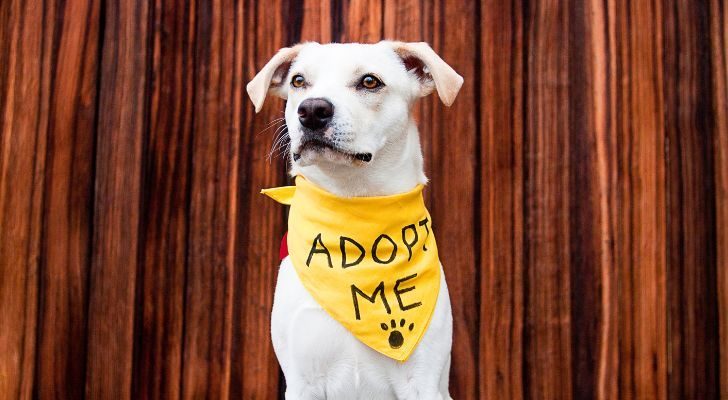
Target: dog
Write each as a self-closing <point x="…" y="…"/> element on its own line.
<point x="348" y="114"/>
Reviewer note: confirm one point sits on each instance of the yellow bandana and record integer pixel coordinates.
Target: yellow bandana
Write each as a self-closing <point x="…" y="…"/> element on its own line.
<point x="370" y="262"/>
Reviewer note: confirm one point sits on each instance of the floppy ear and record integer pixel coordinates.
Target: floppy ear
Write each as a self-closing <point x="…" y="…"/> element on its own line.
<point x="271" y="77"/>
<point x="431" y="70"/>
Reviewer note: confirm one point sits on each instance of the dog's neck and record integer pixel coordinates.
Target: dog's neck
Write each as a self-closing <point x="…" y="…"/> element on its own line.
<point x="396" y="168"/>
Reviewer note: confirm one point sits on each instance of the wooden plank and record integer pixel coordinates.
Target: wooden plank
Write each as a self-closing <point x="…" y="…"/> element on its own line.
<point x="227" y="342"/>
<point x="22" y="149"/>
<point x="72" y="64"/>
<point x="403" y="20"/>
<point x="592" y="205"/>
<point x="121" y="128"/>
<point x="641" y="235"/>
<point x="363" y="23"/>
<point x="454" y="189"/>
<point x="691" y="225"/>
<point x="501" y="199"/>
<point x="314" y="19"/>
<point x="215" y="151"/>
<point x="261" y="222"/>
<point x="547" y="230"/>
<point x="160" y="297"/>
<point x="719" y="54"/>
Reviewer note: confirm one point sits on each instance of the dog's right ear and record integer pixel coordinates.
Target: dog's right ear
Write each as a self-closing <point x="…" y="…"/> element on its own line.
<point x="270" y="78"/>
<point x="431" y="70"/>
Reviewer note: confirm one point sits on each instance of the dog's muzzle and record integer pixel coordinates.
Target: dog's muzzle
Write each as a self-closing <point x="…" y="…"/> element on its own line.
<point x="316" y="140"/>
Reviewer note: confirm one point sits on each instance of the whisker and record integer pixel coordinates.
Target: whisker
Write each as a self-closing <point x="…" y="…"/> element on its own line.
<point x="281" y="143"/>
<point x="274" y="123"/>
<point x="278" y="136"/>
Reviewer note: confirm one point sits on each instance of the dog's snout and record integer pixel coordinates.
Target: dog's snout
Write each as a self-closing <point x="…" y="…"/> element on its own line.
<point x="315" y="113"/>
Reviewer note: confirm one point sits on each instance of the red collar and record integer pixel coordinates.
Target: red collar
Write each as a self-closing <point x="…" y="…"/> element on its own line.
<point x="283" y="252"/>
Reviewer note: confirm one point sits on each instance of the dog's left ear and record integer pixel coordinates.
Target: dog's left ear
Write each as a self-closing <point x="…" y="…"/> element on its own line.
<point x="270" y="78"/>
<point x="431" y="70"/>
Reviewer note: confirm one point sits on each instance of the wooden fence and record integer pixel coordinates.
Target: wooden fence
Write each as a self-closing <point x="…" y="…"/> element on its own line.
<point x="579" y="187"/>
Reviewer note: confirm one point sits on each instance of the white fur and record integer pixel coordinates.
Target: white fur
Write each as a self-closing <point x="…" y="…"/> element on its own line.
<point x="321" y="359"/>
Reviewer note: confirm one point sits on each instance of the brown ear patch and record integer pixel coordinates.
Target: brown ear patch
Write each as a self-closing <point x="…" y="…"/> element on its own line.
<point x="416" y="66"/>
<point x="280" y="74"/>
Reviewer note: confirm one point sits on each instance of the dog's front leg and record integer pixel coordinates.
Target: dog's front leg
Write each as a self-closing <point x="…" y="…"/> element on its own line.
<point x="422" y="384"/>
<point x="421" y="390"/>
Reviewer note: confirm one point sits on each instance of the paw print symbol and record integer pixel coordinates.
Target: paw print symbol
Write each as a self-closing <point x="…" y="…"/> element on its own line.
<point x="395" y="336"/>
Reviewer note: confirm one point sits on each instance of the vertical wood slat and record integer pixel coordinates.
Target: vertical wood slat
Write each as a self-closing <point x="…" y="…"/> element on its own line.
<point x="403" y="20"/>
<point x="261" y="222"/>
<point x="592" y="201"/>
<point x="72" y="54"/>
<point x="719" y="57"/>
<point x="548" y="329"/>
<point x="691" y="226"/>
<point x="120" y="134"/>
<point x="458" y="239"/>
<point x="315" y="22"/>
<point x="213" y="206"/>
<point x="501" y="198"/>
<point x="22" y="151"/>
<point x="364" y="21"/>
<point x="159" y="323"/>
<point x="641" y="236"/>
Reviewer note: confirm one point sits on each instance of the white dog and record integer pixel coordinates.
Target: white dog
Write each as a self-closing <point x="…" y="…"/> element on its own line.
<point x="352" y="134"/>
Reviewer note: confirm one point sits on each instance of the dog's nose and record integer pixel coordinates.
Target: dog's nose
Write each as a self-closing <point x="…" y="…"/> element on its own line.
<point x="315" y="113"/>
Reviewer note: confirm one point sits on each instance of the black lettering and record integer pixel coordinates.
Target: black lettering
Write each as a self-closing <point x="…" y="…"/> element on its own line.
<point x="372" y="299"/>
<point x="343" y="241"/>
<point x="409" y="245"/>
<point x="424" y="223"/>
<point x="398" y="292"/>
<point x="316" y="250"/>
<point x="376" y="245"/>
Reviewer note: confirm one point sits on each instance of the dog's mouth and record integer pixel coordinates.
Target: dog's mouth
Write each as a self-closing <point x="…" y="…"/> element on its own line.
<point x="319" y="143"/>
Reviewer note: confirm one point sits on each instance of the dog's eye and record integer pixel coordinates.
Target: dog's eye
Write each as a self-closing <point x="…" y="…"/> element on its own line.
<point x="298" y="81"/>
<point x="370" y="82"/>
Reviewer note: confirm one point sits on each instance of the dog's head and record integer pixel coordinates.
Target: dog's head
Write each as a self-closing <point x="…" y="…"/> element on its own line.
<point x="345" y="102"/>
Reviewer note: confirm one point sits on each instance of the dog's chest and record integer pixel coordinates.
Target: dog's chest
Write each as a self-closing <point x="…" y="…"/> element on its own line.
<point x="321" y="351"/>
<point x="315" y="351"/>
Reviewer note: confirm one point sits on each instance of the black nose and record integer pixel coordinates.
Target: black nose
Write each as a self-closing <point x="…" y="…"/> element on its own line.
<point x="315" y="113"/>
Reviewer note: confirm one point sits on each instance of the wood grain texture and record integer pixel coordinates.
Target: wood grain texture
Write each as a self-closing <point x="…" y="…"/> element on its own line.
<point x="691" y="226"/>
<point x="547" y="225"/>
<point x="258" y="374"/>
<point x="592" y="205"/>
<point x="579" y="189"/>
<point x="458" y="237"/>
<point x="164" y="225"/>
<point x="213" y="206"/>
<point x="71" y="51"/>
<point x="501" y="199"/>
<point x="641" y="238"/>
<point x="23" y="101"/>
<point x="117" y="201"/>
<point x="719" y="57"/>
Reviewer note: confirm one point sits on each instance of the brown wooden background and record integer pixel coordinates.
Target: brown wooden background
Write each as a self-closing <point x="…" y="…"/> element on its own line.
<point x="579" y="187"/>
